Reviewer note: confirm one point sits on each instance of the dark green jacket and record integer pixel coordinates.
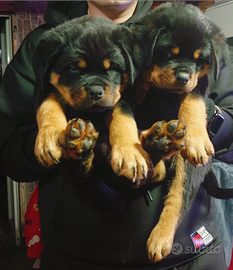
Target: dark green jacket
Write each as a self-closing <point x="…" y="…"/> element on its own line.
<point x="76" y="220"/>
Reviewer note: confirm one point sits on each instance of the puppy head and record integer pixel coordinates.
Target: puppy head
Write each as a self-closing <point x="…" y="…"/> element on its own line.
<point x="181" y="46"/>
<point x="86" y="61"/>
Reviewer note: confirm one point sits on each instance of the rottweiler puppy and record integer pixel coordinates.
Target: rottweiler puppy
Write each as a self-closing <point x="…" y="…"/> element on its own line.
<point x="181" y="45"/>
<point x="85" y="64"/>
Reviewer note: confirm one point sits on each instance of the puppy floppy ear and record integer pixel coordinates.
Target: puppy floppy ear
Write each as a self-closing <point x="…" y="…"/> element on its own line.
<point x="131" y="51"/>
<point x="133" y="66"/>
<point x="150" y="47"/>
<point x="131" y="70"/>
<point x="220" y="52"/>
<point x="45" y="56"/>
<point x="147" y="41"/>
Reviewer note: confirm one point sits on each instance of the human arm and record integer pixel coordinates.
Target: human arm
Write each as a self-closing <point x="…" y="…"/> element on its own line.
<point x="17" y="152"/>
<point x="221" y="93"/>
<point x="17" y="115"/>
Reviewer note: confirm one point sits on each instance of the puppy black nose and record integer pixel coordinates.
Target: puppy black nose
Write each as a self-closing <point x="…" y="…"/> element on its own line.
<point x="182" y="77"/>
<point x="95" y="92"/>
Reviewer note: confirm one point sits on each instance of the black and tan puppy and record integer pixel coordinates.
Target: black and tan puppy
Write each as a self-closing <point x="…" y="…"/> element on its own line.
<point x="85" y="64"/>
<point x="180" y="45"/>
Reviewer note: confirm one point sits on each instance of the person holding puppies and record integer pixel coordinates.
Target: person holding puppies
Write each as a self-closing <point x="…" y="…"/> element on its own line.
<point x="101" y="222"/>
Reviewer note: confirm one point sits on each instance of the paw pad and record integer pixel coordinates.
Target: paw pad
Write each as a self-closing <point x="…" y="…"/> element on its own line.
<point x="80" y="137"/>
<point x="165" y="138"/>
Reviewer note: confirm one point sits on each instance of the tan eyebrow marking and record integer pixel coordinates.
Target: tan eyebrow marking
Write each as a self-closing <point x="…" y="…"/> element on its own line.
<point x="175" y="50"/>
<point x="82" y="63"/>
<point x="197" y="54"/>
<point x="106" y="63"/>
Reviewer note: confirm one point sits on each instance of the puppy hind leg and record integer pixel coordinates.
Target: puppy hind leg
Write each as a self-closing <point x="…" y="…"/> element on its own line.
<point x="159" y="243"/>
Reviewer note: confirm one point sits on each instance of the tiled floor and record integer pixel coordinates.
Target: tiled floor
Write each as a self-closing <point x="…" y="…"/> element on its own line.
<point x="15" y="259"/>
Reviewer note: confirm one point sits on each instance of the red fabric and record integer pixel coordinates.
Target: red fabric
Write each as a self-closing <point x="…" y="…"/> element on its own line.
<point x="231" y="265"/>
<point x="32" y="227"/>
<point x="154" y="5"/>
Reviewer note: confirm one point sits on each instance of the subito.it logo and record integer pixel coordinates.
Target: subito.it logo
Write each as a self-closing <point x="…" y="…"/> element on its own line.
<point x="176" y="249"/>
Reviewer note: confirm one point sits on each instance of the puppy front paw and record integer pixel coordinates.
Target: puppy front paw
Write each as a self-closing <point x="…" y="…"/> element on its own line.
<point x="47" y="149"/>
<point x="159" y="244"/>
<point x="130" y="160"/>
<point x="165" y="138"/>
<point x="78" y="139"/>
<point x="75" y="141"/>
<point x="198" y="148"/>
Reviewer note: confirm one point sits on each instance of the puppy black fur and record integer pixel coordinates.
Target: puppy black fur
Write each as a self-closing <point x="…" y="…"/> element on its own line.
<point x="181" y="47"/>
<point x="84" y="53"/>
<point x="84" y="64"/>
<point x="177" y="25"/>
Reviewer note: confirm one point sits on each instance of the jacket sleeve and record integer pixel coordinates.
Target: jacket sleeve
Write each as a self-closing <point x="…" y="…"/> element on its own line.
<point x="221" y="92"/>
<point x="17" y="115"/>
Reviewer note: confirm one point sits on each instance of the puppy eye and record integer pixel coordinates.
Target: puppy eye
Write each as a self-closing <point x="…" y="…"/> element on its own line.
<point x="162" y="55"/>
<point x="74" y="68"/>
<point x="168" y="53"/>
<point x="115" y="68"/>
<point x="201" y="60"/>
<point x="165" y="53"/>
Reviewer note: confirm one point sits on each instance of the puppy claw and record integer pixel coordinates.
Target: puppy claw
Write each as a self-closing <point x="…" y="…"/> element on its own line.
<point x="143" y="172"/>
<point x="41" y="161"/>
<point x="55" y="159"/>
<point x="117" y="171"/>
<point x="61" y="145"/>
<point x="201" y="160"/>
<point x="134" y="173"/>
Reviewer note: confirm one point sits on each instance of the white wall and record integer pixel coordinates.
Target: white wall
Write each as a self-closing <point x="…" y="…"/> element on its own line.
<point x="222" y="14"/>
